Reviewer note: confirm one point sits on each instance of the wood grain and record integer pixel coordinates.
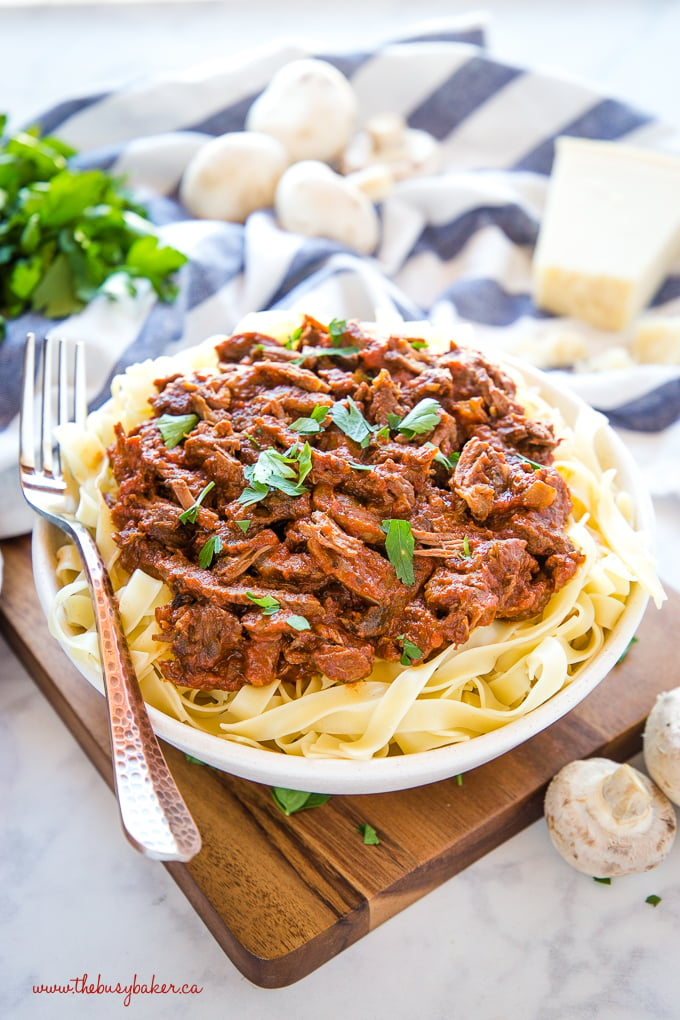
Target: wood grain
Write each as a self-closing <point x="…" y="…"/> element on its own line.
<point x="284" y="895"/>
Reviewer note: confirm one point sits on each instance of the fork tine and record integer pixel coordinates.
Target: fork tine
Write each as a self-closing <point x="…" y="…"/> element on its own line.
<point x="27" y="438"/>
<point x="46" y="443"/>
<point x="79" y="385"/>
<point x="62" y="394"/>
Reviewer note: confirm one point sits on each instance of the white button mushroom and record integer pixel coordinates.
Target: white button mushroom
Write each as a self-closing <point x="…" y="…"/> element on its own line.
<point x="607" y="819"/>
<point x="233" y="175"/>
<point x="312" y="199"/>
<point x="661" y="743"/>
<point x="388" y="140"/>
<point x="310" y="107"/>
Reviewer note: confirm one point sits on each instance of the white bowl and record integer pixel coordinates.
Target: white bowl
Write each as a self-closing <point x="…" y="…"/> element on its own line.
<point x="382" y="775"/>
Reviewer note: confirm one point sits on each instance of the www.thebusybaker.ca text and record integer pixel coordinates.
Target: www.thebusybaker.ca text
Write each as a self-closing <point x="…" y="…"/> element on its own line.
<point x="84" y="986"/>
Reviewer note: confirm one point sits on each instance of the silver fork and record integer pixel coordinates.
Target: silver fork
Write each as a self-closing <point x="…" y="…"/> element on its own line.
<point x="154" y="816"/>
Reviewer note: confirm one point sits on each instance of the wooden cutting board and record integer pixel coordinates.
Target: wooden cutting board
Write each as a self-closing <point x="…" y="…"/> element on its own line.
<point x="282" y="895"/>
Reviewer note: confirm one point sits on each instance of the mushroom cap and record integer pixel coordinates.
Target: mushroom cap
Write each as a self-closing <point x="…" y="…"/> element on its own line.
<point x="661" y="743"/>
<point x="313" y="200"/>
<point x="387" y="140"/>
<point x="310" y="107"/>
<point x="233" y="175"/>
<point x="607" y="819"/>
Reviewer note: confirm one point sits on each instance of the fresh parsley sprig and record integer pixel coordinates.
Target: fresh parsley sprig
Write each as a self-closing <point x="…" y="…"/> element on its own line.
<point x="176" y="427"/>
<point x="325" y="352"/>
<point x="273" y="470"/>
<point x="267" y="603"/>
<point x="209" y="550"/>
<point x="189" y="515"/>
<point x="303" y="456"/>
<point x="313" y="424"/>
<point x="440" y="458"/>
<point x="270" y="605"/>
<point x="410" y="651"/>
<point x="336" y="330"/>
<point x="298" y="622"/>
<point x="399" y="544"/>
<point x="422" y="418"/>
<point x="351" y="421"/>
<point x="291" y="801"/>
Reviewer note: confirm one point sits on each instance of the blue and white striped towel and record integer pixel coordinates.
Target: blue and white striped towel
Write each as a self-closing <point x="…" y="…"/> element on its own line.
<point x="455" y="246"/>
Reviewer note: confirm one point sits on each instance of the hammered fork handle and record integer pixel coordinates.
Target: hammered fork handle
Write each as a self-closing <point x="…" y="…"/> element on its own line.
<point x="155" y="818"/>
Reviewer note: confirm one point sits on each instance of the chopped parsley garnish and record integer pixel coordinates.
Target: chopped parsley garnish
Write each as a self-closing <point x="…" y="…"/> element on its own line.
<point x="176" y="427"/>
<point x="325" y="352"/>
<point x="410" y="651"/>
<point x="68" y="234"/>
<point x="290" y="801"/>
<point x="336" y="330"/>
<point x="208" y="551"/>
<point x="298" y="622"/>
<point x="253" y="440"/>
<point x="304" y="460"/>
<point x="189" y="515"/>
<point x="440" y="458"/>
<point x="253" y="494"/>
<point x="351" y="421"/>
<point x="274" y="470"/>
<point x="193" y="761"/>
<point x="267" y="603"/>
<point x="400" y="544"/>
<point x="270" y="468"/>
<point x="624" y="653"/>
<point x="313" y="424"/>
<point x="534" y="464"/>
<point x="368" y="834"/>
<point x="293" y="339"/>
<point x="243" y="525"/>
<point x="424" y="417"/>
<point x="602" y="881"/>
<point x="466" y="547"/>
<point x="653" y="900"/>
<point x="418" y="345"/>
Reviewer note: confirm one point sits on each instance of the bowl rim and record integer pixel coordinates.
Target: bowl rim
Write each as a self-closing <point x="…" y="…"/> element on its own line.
<point x="398" y="772"/>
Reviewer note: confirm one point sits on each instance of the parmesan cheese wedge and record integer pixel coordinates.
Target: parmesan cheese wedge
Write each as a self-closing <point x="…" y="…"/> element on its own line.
<point x="610" y="231"/>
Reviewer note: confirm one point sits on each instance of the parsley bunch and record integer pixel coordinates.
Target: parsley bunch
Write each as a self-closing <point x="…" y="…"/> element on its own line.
<point x="65" y="232"/>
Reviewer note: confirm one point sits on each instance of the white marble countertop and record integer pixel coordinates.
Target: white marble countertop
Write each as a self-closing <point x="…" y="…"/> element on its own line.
<point x="519" y="934"/>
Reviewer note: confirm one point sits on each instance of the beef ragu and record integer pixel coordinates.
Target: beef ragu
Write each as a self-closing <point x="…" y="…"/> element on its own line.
<point x="342" y="498"/>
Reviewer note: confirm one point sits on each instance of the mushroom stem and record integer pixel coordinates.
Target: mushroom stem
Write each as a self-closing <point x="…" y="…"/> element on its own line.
<point x="625" y="796"/>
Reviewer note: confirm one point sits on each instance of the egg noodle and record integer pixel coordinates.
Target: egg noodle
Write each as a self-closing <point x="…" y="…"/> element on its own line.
<point x="502" y="672"/>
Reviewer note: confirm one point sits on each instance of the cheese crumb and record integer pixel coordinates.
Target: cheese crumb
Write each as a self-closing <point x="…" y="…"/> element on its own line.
<point x="657" y="341"/>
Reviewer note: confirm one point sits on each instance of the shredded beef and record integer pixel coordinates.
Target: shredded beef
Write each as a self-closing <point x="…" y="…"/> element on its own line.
<point x="280" y="573"/>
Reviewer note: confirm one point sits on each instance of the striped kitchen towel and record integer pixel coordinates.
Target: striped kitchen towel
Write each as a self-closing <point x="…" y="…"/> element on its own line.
<point x="455" y="246"/>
